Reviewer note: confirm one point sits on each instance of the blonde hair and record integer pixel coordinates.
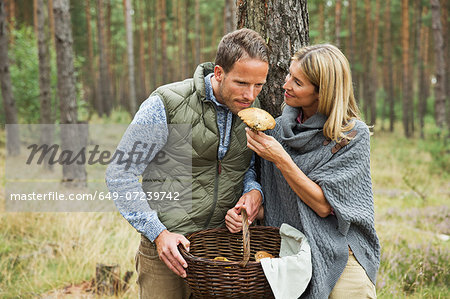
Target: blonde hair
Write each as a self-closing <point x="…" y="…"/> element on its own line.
<point x="329" y="71"/>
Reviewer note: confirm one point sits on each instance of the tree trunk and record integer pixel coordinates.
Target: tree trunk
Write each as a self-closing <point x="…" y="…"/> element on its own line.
<point x="152" y="54"/>
<point x="52" y="21"/>
<point x="406" y="93"/>
<point x="9" y="106"/>
<point x="366" y="76"/>
<point x="163" y="35"/>
<point x="373" y="67"/>
<point x="229" y="16"/>
<point x="142" y="68"/>
<point x="197" y="47"/>
<point x="44" y="78"/>
<point x="285" y="25"/>
<point x="424" y="86"/>
<point x="187" y="59"/>
<point x="72" y="134"/>
<point x="91" y="77"/>
<point x="130" y="57"/>
<point x="104" y="87"/>
<point x="388" y="71"/>
<point x="353" y="53"/>
<point x="337" y="23"/>
<point x="440" y="88"/>
<point x="110" y="55"/>
<point x="35" y="18"/>
<point x="445" y="33"/>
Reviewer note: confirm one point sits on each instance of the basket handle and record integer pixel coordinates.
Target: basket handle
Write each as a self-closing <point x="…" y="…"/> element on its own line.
<point x="245" y="239"/>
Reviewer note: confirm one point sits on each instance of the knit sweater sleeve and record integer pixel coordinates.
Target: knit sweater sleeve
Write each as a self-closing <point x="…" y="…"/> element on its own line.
<point x="145" y="137"/>
<point x="346" y="182"/>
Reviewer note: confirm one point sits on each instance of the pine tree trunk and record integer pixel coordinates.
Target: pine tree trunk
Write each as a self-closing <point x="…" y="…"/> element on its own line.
<point x="44" y="79"/>
<point x="229" y="16"/>
<point x="73" y="136"/>
<point x="406" y="94"/>
<point x="186" y="63"/>
<point x="366" y="76"/>
<point x="142" y="69"/>
<point x="9" y="106"/>
<point x="337" y="23"/>
<point x="285" y="25"/>
<point x="130" y="56"/>
<point x="104" y="87"/>
<point x="373" y="66"/>
<point x="440" y="88"/>
<point x="52" y="21"/>
<point x="388" y="71"/>
<point x="91" y="74"/>
<point x="353" y="53"/>
<point x="197" y="46"/>
<point x="424" y="86"/>
<point x="445" y="19"/>
<point x="163" y="34"/>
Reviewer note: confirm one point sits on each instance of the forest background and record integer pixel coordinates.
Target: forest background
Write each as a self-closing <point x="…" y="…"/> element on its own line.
<point x="399" y="55"/>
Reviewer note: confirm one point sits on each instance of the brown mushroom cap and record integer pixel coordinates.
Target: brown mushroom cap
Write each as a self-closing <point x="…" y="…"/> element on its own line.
<point x="257" y="119"/>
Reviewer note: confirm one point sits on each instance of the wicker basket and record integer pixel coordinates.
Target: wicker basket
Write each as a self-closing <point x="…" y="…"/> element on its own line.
<point x="241" y="276"/>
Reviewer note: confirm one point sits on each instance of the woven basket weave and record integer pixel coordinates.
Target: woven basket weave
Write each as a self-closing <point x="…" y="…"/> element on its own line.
<point x="242" y="276"/>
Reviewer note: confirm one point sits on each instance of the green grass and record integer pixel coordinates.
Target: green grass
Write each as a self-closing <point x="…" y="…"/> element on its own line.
<point x="41" y="252"/>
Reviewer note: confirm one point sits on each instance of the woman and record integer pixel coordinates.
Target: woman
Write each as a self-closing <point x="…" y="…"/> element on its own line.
<point x="316" y="174"/>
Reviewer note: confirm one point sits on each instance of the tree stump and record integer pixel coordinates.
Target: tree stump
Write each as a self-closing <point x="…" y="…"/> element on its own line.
<point x="107" y="280"/>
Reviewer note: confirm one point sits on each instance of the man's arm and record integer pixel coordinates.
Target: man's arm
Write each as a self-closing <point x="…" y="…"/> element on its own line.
<point x="251" y="200"/>
<point x="149" y="126"/>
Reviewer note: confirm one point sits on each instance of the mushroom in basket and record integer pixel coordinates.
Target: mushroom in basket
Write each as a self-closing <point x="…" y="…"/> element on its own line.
<point x="257" y="119"/>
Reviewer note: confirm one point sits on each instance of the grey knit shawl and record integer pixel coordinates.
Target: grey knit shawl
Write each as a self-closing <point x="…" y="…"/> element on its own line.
<point x="346" y="182"/>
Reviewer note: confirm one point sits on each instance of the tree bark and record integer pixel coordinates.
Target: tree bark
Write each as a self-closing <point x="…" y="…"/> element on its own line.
<point x="388" y="71"/>
<point x="72" y="134"/>
<point x="440" y="88"/>
<point x="12" y="130"/>
<point x="229" y="16"/>
<point x="44" y="78"/>
<point x="197" y="46"/>
<point x="337" y="23"/>
<point x="163" y="36"/>
<point x="104" y="87"/>
<point x="52" y="21"/>
<point x="142" y="68"/>
<point x="373" y="66"/>
<point x="406" y="93"/>
<point x="91" y="74"/>
<point x="130" y="57"/>
<point x="187" y="59"/>
<point x="424" y="86"/>
<point x="285" y="26"/>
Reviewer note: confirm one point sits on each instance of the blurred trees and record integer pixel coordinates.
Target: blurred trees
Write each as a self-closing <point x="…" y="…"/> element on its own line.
<point x="390" y="45"/>
<point x="9" y="105"/>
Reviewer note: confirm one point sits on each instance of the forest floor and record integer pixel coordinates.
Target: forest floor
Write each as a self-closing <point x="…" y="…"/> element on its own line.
<point x="43" y="254"/>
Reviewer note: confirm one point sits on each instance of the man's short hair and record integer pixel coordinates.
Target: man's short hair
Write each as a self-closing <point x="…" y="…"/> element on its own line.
<point x="242" y="43"/>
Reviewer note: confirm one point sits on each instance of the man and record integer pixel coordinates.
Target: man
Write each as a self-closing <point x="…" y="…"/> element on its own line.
<point x="223" y="178"/>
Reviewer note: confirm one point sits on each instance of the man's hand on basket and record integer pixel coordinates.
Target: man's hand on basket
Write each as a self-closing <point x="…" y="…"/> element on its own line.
<point x="166" y="244"/>
<point x="251" y="202"/>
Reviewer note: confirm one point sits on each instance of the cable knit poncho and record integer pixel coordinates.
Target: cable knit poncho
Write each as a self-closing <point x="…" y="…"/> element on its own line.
<point x="343" y="173"/>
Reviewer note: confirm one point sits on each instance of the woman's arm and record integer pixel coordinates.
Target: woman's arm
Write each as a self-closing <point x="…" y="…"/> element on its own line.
<point x="308" y="191"/>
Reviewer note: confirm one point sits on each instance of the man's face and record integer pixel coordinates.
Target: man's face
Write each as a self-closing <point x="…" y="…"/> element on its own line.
<point x="238" y="88"/>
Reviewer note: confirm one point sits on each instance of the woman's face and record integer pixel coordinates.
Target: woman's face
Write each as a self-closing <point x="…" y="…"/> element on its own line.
<point x="299" y="91"/>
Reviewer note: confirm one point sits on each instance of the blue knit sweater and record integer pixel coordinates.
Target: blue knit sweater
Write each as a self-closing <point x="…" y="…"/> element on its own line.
<point x="344" y="177"/>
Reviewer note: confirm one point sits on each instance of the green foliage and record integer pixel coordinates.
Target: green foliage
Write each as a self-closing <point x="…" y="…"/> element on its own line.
<point x="24" y="67"/>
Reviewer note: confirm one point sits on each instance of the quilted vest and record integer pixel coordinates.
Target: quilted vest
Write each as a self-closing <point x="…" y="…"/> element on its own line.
<point x="215" y="185"/>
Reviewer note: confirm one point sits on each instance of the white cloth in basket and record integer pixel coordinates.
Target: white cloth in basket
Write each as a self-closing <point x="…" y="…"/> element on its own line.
<point x="289" y="274"/>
